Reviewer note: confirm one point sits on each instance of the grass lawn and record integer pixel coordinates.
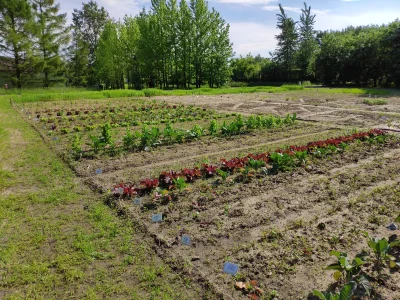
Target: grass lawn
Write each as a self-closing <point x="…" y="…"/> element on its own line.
<point x="59" y="240"/>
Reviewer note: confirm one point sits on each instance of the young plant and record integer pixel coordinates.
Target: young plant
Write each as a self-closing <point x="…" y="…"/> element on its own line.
<point x="256" y="164"/>
<point x="343" y="267"/>
<point x="77" y="146"/>
<point x="282" y="161"/>
<point x="224" y="175"/>
<point x="381" y="249"/>
<point x="129" y="140"/>
<point x="169" y="133"/>
<point x="180" y="183"/>
<point x="346" y="293"/>
<point x="97" y="143"/>
<point x="213" y="128"/>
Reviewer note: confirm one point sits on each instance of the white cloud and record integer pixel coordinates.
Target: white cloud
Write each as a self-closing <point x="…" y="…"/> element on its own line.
<point x="117" y="9"/>
<point x="247" y="2"/>
<point x="337" y="22"/>
<point x="296" y="9"/>
<point x="252" y="37"/>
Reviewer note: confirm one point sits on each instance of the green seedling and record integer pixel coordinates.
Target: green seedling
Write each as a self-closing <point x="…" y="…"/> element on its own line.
<point x="381" y="249"/>
<point x="180" y="183"/>
<point x="346" y="293"/>
<point x="343" y="267"/>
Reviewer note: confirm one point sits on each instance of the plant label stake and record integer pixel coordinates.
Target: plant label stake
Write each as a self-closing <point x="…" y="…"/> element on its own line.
<point x="55" y="138"/>
<point x="99" y="171"/>
<point x="137" y="202"/>
<point x="185" y="240"/>
<point x="231" y="268"/>
<point x="121" y="191"/>
<point x="156" y="218"/>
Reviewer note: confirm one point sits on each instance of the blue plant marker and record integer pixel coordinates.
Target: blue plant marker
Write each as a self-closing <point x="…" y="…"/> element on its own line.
<point x="231" y="268"/>
<point x="55" y="138"/>
<point x="99" y="171"/>
<point x="156" y="218"/>
<point x="137" y="202"/>
<point x="185" y="240"/>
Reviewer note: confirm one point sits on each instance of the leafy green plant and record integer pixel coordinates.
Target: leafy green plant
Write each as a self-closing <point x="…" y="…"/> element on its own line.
<point x="344" y="268"/>
<point x="77" y="146"/>
<point x="282" y="161"/>
<point x="169" y="133"/>
<point x="106" y="135"/>
<point x="180" y="183"/>
<point x="213" y="128"/>
<point x="346" y="293"/>
<point x="301" y="156"/>
<point x="381" y="249"/>
<point x="256" y="164"/>
<point x="224" y="175"/>
<point x="129" y="139"/>
<point x="196" y="132"/>
<point x="96" y="143"/>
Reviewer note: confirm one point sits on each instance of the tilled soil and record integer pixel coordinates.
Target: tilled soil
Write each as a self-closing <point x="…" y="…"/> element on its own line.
<point x="278" y="228"/>
<point x="269" y="226"/>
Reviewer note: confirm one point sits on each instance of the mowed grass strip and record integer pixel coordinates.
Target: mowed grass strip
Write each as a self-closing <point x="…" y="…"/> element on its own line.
<point x="59" y="240"/>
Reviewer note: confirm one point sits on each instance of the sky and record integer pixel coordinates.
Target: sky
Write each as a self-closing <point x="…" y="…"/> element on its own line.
<point x="253" y="22"/>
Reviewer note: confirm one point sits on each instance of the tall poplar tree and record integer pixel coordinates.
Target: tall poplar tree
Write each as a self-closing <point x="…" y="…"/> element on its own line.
<point x="88" y="23"/>
<point x="51" y="35"/>
<point x="16" y="29"/>
<point x="307" y="41"/>
<point x="201" y="38"/>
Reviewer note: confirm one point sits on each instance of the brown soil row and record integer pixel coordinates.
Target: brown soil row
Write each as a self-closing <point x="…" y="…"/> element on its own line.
<point x="292" y="206"/>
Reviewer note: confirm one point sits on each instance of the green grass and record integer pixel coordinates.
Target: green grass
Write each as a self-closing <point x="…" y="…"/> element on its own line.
<point x="34" y="95"/>
<point x="355" y="91"/>
<point x="59" y="240"/>
<point x="375" y="101"/>
<point x="62" y="93"/>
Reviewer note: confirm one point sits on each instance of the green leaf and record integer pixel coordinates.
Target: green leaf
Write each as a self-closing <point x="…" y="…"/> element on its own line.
<point x="383" y="246"/>
<point x="334" y="267"/>
<point x="358" y="262"/>
<point x="366" y="234"/>
<point x="337" y="275"/>
<point x="336" y="253"/>
<point x="344" y="263"/>
<point x="397" y="219"/>
<point x="320" y="295"/>
<point x="392" y="264"/>
<point x="347" y="291"/>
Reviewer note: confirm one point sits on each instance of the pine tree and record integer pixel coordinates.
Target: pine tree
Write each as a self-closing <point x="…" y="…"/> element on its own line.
<point x="16" y="29"/>
<point x="50" y="35"/>
<point x="287" y="43"/>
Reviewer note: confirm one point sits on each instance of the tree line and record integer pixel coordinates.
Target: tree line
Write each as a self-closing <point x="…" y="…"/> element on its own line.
<point x="182" y="45"/>
<point x="364" y="55"/>
<point x="174" y="44"/>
